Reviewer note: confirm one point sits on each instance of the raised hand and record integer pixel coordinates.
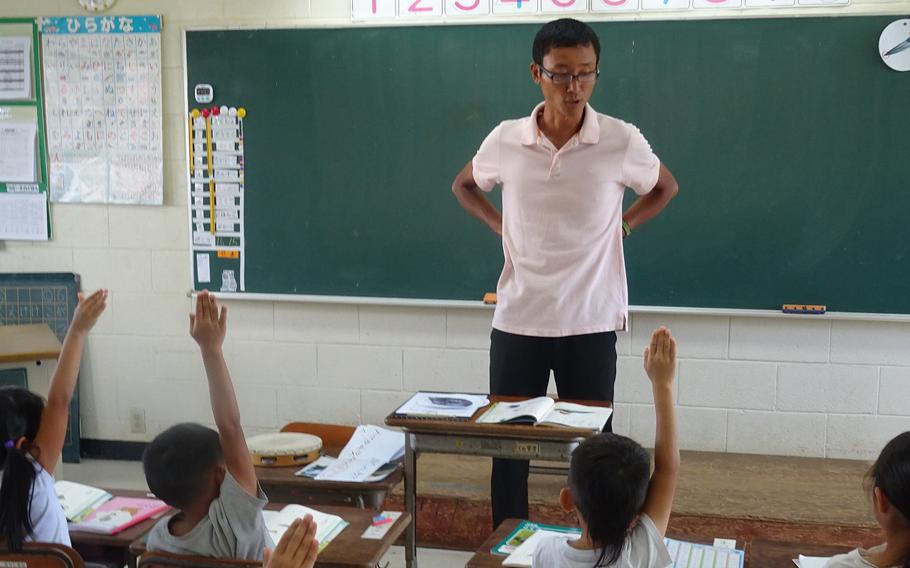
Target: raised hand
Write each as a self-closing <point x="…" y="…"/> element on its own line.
<point x="208" y="325"/>
<point x="88" y="310"/>
<point x="660" y="357"/>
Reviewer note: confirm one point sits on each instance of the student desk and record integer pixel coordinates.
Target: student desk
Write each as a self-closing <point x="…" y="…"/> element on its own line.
<point x="512" y="441"/>
<point x="775" y="553"/>
<point x="282" y="486"/>
<point x="771" y="554"/>
<point x="483" y="558"/>
<point x="117" y="545"/>
<point x="348" y="549"/>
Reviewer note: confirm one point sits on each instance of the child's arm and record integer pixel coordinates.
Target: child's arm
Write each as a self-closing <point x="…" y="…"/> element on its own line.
<point x="208" y="327"/>
<point x="52" y="430"/>
<point x="660" y="364"/>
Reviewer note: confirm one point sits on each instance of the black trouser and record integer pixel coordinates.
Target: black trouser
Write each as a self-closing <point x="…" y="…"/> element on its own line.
<point x="584" y="367"/>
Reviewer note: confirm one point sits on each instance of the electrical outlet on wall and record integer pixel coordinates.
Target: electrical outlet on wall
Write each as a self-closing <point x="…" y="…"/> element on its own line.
<point x="137" y="420"/>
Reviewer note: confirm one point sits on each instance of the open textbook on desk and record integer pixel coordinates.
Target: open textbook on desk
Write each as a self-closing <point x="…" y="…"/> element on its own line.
<point x="544" y="411"/>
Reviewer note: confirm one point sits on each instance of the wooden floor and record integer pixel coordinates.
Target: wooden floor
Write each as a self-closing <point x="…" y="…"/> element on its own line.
<point x="749" y="497"/>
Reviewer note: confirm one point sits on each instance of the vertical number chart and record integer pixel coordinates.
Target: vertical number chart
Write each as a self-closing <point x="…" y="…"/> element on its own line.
<point x="103" y="99"/>
<point x="216" y="197"/>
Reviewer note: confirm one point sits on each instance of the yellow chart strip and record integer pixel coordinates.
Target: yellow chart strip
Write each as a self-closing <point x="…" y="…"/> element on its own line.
<point x="208" y="141"/>
<point x="192" y="162"/>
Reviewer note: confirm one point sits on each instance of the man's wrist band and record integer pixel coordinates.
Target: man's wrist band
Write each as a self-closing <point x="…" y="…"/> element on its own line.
<point x="626" y="229"/>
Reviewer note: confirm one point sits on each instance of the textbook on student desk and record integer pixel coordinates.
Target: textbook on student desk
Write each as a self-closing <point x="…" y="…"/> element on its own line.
<point x="118" y="514"/>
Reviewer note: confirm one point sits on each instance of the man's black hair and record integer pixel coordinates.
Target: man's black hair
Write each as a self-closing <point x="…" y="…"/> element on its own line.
<point x="564" y="32"/>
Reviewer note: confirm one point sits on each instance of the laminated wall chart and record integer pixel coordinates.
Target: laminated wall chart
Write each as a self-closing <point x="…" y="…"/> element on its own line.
<point x="216" y="196"/>
<point x="103" y="101"/>
<point x="23" y="161"/>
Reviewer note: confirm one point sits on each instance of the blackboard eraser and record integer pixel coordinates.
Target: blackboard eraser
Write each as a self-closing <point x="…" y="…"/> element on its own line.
<point x="803" y="309"/>
<point x="489" y="298"/>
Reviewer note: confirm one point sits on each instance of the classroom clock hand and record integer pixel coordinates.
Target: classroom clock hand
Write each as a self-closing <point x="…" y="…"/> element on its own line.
<point x="902" y="46"/>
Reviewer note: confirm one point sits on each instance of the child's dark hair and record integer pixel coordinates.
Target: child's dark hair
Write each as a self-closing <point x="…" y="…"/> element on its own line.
<point x="20" y="416"/>
<point x="178" y="460"/>
<point x="608" y="478"/>
<point x="564" y="32"/>
<point x="891" y="474"/>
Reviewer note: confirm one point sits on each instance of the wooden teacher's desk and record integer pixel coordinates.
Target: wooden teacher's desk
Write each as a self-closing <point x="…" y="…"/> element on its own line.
<point x="511" y="441"/>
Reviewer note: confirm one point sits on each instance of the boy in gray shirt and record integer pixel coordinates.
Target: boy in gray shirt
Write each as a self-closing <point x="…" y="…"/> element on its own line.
<point x="208" y="476"/>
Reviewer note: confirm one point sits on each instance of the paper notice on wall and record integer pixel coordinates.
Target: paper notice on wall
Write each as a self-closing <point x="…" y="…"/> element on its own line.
<point x="203" y="271"/>
<point x="17" y="151"/>
<point x="23" y="216"/>
<point x="15" y="68"/>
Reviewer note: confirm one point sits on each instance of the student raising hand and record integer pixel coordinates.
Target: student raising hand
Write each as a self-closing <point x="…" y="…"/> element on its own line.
<point x="88" y="310"/>
<point x="51" y="434"/>
<point x="297" y="548"/>
<point x="208" y="325"/>
<point x="660" y="364"/>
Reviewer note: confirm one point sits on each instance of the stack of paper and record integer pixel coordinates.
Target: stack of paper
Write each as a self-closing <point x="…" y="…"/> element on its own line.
<point x="811" y="561"/>
<point x="369" y="449"/>
<point x="314" y="469"/>
<point x="118" y="514"/>
<point x="79" y="500"/>
<point x="327" y="526"/>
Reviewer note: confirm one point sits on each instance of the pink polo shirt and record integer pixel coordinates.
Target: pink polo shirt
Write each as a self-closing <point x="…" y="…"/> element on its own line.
<point x="564" y="272"/>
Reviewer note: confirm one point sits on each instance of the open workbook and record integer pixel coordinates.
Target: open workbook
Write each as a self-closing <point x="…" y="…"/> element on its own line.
<point x="544" y="411"/>
<point x="327" y="526"/>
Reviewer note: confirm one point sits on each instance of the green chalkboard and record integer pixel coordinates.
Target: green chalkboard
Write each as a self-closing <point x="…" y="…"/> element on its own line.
<point x="789" y="138"/>
<point x="43" y="297"/>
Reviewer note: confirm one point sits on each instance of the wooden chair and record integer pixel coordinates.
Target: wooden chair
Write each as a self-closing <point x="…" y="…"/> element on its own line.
<point x="42" y="555"/>
<point x="166" y="559"/>
<point x="334" y="437"/>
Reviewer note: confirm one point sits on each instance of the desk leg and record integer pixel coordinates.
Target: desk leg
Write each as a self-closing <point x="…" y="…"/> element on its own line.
<point x="410" y="500"/>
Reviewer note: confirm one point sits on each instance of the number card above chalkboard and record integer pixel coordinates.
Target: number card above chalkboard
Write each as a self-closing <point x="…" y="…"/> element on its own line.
<point x="103" y="81"/>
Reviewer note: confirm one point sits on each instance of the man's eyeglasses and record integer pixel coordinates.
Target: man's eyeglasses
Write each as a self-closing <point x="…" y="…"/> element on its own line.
<point x="566" y="78"/>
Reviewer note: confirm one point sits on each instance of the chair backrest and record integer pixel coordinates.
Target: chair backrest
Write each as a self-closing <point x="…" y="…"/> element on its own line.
<point x="41" y="555"/>
<point x="153" y="559"/>
<point x="334" y="436"/>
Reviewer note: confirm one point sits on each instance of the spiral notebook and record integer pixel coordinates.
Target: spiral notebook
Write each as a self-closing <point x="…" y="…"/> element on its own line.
<point x="442" y="406"/>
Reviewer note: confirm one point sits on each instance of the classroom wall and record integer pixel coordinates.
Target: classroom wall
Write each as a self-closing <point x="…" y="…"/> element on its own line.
<point x="757" y="385"/>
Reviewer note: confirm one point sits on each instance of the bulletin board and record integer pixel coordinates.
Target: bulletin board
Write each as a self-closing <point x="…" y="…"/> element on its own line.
<point x="23" y="159"/>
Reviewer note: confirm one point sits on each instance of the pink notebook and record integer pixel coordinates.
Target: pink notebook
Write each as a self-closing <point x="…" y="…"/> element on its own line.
<point x="118" y="514"/>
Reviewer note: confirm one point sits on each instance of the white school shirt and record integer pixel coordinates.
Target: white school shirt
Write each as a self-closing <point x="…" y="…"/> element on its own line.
<point x="644" y="548"/>
<point x="45" y="510"/>
<point x="856" y="558"/>
<point x="564" y="272"/>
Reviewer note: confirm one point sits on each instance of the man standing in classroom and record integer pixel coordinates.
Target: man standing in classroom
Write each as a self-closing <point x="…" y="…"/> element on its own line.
<point x="562" y="293"/>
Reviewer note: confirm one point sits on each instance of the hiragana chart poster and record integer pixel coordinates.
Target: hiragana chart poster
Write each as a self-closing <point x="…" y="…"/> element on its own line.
<point x="103" y="102"/>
